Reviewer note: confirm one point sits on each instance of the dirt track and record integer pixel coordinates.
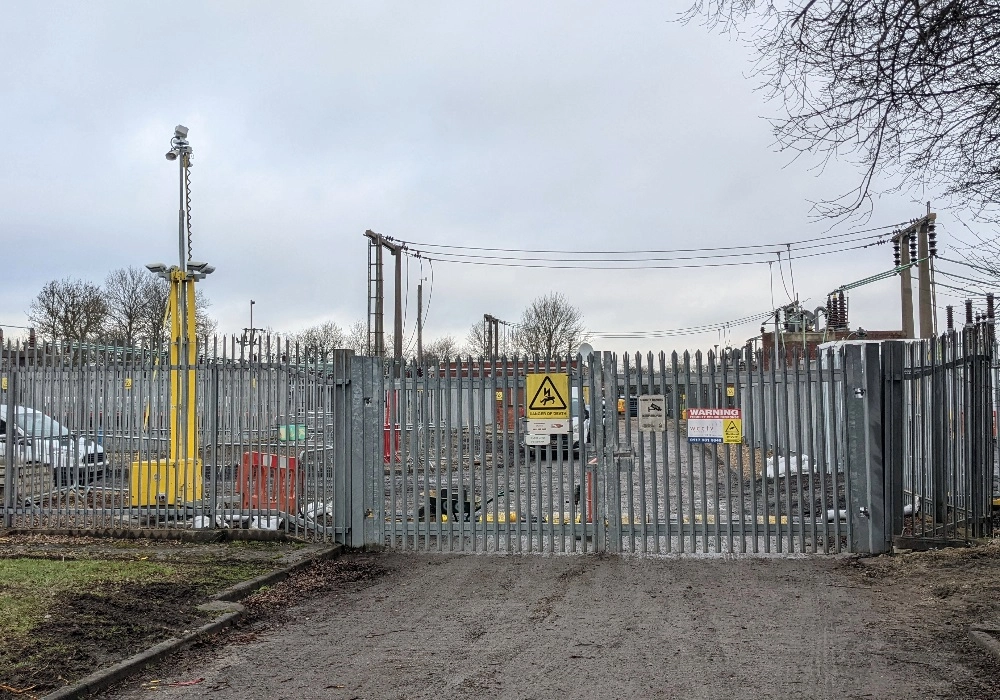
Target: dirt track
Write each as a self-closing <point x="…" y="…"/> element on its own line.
<point x="589" y="627"/>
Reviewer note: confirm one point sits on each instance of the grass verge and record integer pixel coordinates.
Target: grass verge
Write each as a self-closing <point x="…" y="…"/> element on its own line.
<point x="65" y="613"/>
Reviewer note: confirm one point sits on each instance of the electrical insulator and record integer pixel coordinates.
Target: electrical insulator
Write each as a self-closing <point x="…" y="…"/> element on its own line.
<point x="913" y="248"/>
<point x="950" y="315"/>
<point x="932" y="240"/>
<point x="968" y="312"/>
<point x="989" y="306"/>
<point x="895" y="253"/>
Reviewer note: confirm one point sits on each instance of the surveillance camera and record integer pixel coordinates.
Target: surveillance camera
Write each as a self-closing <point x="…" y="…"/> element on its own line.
<point x="156" y="267"/>
<point x="181" y="131"/>
<point x="171" y="155"/>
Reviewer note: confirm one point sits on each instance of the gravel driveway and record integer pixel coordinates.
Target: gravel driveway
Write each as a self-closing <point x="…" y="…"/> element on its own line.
<point x="468" y="626"/>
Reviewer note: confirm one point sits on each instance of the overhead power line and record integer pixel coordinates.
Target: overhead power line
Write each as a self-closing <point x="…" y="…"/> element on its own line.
<point x="985" y="283"/>
<point x="980" y="268"/>
<point x="613" y="264"/>
<point x="691" y="330"/>
<point x="772" y="246"/>
<point x="647" y="256"/>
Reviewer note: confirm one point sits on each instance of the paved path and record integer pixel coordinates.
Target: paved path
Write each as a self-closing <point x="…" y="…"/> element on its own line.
<point x="453" y="626"/>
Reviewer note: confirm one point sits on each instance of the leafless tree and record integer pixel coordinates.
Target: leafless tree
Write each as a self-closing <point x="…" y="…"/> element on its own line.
<point x="550" y="327"/>
<point x="135" y="306"/>
<point x="154" y="328"/>
<point x="475" y="341"/>
<point x="908" y="88"/>
<point x="317" y="341"/>
<point x="357" y="338"/>
<point x="69" y="309"/>
<point x="205" y="323"/>
<point x="441" y="349"/>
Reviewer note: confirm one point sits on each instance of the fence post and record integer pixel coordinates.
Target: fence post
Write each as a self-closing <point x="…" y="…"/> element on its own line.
<point x="894" y="427"/>
<point x="603" y="455"/>
<point x="373" y="487"/>
<point x="366" y="428"/>
<point x="9" y="451"/>
<point x="213" y="403"/>
<point x="866" y="472"/>
<point x="981" y="433"/>
<point x="340" y="446"/>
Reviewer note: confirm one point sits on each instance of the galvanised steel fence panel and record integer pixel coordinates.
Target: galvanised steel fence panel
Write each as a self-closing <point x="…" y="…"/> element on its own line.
<point x="769" y="493"/>
<point x="462" y="474"/>
<point x="331" y="447"/>
<point x="949" y="456"/>
<point x="94" y="438"/>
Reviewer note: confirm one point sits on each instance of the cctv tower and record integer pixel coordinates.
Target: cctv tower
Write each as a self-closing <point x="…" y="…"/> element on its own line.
<point x="179" y="480"/>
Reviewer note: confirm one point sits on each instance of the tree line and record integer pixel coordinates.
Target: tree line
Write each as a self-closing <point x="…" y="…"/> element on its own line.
<point x="128" y="309"/>
<point x="548" y="327"/>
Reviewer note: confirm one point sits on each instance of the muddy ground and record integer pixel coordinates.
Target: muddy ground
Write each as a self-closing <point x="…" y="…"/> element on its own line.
<point x="96" y="626"/>
<point x="429" y="626"/>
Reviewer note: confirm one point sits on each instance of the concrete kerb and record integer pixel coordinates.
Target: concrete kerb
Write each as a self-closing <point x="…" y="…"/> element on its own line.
<point x="223" y="601"/>
<point x="987" y="637"/>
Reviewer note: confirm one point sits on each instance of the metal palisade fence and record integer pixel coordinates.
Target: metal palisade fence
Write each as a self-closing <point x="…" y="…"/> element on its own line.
<point x="116" y="438"/>
<point x="847" y="448"/>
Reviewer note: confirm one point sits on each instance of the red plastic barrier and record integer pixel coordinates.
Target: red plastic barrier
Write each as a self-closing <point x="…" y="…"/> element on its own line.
<point x="389" y="445"/>
<point x="269" y="482"/>
<point x="390" y="437"/>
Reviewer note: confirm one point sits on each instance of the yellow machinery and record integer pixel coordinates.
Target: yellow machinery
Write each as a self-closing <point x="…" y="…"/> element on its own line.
<point x="179" y="478"/>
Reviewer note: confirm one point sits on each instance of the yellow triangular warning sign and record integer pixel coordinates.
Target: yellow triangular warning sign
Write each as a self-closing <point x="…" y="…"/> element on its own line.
<point x="547" y="397"/>
<point x="732" y="428"/>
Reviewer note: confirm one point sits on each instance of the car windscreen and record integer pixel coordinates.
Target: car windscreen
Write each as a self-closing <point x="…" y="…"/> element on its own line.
<point x="39" y="425"/>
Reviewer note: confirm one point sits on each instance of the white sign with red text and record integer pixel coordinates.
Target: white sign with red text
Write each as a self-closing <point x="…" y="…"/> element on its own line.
<point x="547" y="427"/>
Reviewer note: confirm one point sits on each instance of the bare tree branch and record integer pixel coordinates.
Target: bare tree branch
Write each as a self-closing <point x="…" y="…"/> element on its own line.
<point x="908" y="88"/>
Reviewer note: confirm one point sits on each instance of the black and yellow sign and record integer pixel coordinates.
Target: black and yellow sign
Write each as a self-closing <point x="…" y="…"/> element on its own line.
<point x="732" y="431"/>
<point x="548" y="395"/>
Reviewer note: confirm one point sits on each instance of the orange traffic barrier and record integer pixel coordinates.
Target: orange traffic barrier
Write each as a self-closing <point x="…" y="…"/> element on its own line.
<point x="269" y="482"/>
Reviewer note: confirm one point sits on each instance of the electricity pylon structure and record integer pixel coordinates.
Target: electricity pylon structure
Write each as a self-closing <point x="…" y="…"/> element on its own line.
<point x="376" y="298"/>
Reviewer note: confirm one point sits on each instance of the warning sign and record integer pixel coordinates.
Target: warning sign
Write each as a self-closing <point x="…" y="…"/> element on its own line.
<point x="715" y="425"/>
<point x="652" y="413"/>
<point x="732" y="433"/>
<point x="548" y="394"/>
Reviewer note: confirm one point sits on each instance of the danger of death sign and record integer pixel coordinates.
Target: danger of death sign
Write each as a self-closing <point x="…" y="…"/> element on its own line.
<point x="548" y="396"/>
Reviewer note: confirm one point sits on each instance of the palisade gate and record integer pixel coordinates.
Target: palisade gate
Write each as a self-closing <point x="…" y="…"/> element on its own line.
<point x="864" y="445"/>
<point x="854" y="449"/>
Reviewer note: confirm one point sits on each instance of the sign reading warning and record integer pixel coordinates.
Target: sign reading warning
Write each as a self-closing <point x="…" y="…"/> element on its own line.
<point x="548" y="396"/>
<point x="715" y="425"/>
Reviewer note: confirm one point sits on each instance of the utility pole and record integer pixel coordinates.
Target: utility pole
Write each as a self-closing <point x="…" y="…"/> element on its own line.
<point x="491" y="335"/>
<point x="926" y="309"/>
<point x="378" y="241"/>
<point x="420" y="325"/>
<point x="903" y="241"/>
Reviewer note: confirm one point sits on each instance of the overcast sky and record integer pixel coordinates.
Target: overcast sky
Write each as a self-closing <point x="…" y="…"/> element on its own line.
<point x="558" y="125"/>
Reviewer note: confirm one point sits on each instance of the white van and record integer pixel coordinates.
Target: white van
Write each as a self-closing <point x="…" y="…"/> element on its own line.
<point x="40" y="439"/>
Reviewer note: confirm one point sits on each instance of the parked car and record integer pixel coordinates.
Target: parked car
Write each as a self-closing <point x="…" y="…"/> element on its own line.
<point x="40" y="439"/>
